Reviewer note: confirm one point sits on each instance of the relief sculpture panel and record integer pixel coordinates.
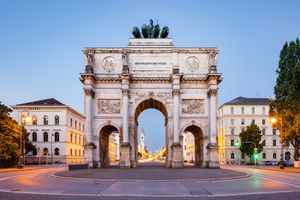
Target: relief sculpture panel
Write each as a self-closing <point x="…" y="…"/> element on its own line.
<point x="109" y="106"/>
<point x="192" y="106"/>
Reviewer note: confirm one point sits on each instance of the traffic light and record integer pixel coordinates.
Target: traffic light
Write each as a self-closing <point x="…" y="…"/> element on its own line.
<point x="256" y="156"/>
<point x="237" y="143"/>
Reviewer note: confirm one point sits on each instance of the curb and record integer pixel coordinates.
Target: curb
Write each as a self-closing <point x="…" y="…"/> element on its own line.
<point x="20" y="170"/>
<point x="277" y="170"/>
<point x="145" y="180"/>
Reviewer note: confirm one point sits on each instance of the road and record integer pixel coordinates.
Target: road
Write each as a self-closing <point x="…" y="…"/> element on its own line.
<point x="40" y="184"/>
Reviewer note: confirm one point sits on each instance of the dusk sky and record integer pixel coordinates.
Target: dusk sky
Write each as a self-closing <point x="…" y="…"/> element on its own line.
<point x="41" y="44"/>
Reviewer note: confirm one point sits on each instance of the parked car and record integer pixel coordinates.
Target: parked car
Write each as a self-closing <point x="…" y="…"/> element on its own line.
<point x="286" y="163"/>
<point x="268" y="162"/>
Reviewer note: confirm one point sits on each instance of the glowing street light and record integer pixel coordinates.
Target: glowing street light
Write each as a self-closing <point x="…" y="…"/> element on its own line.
<point x="27" y="119"/>
<point x="274" y="121"/>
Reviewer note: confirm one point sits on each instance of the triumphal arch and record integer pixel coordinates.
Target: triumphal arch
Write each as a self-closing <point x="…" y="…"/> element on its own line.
<point x="120" y="83"/>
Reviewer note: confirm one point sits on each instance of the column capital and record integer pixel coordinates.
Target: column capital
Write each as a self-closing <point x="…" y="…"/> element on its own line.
<point x="212" y="92"/>
<point x="125" y="92"/>
<point x="176" y="92"/>
<point x="89" y="92"/>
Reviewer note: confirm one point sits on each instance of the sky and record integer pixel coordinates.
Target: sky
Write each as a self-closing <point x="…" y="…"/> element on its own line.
<point x="41" y="43"/>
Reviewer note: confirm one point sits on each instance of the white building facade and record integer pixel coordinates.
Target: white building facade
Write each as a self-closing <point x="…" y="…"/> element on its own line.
<point x="120" y="83"/>
<point x="56" y="130"/>
<point x="234" y="117"/>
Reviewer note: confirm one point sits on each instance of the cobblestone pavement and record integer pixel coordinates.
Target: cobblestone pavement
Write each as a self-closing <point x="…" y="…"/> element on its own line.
<point x="152" y="171"/>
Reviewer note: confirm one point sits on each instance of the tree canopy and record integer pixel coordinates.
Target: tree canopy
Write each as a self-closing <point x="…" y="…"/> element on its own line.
<point x="252" y="135"/>
<point x="286" y="105"/>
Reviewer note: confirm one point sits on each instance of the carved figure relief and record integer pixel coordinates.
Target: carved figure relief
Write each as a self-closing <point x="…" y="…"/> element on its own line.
<point x="192" y="63"/>
<point x="108" y="64"/>
<point x="212" y="58"/>
<point x="192" y="106"/>
<point x="109" y="106"/>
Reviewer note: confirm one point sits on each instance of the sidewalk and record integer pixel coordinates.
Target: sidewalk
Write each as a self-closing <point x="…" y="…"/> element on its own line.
<point x="29" y="167"/>
<point x="286" y="169"/>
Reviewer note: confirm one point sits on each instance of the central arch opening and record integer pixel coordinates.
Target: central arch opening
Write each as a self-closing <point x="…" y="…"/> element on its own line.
<point x="159" y="153"/>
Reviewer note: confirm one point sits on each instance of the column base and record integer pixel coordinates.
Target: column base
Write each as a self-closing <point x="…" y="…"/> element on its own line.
<point x="125" y="155"/>
<point x="88" y="155"/>
<point x="213" y="161"/>
<point x="177" y="161"/>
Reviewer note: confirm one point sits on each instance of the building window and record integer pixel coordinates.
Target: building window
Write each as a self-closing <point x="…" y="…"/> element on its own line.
<point x="45" y="151"/>
<point x="264" y="156"/>
<point x="274" y="155"/>
<point x="274" y="131"/>
<point x="242" y="121"/>
<point x="45" y="137"/>
<point x="232" y="155"/>
<point x="56" y="151"/>
<point x="263" y="110"/>
<point x="242" y="129"/>
<point x="71" y="137"/>
<point x="34" y="120"/>
<point x="79" y="152"/>
<point x="83" y="127"/>
<point x="232" y="131"/>
<point x="45" y="120"/>
<point x="34" y="137"/>
<point x="232" y="143"/>
<point x="75" y="152"/>
<point x="253" y="110"/>
<point x="263" y="131"/>
<point x="56" y="137"/>
<point x="79" y="139"/>
<point x="71" y="152"/>
<point x="243" y="110"/>
<point x="263" y="121"/>
<point x="71" y="122"/>
<point x="75" y="138"/>
<point x="253" y="121"/>
<point x="56" y="120"/>
<point x="232" y="110"/>
<point x="75" y="124"/>
<point x="274" y="143"/>
<point x="263" y="143"/>
<point x="232" y="122"/>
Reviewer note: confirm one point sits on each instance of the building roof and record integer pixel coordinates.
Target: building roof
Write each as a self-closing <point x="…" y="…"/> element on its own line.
<point x="248" y="101"/>
<point x="44" y="102"/>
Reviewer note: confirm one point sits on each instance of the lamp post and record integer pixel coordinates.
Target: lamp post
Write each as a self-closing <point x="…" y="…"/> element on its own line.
<point x="274" y="121"/>
<point x="21" y="161"/>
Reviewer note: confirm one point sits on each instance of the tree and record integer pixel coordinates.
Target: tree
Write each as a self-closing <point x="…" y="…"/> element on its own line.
<point x="286" y="105"/>
<point x="10" y="134"/>
<point x="252" y="135"/>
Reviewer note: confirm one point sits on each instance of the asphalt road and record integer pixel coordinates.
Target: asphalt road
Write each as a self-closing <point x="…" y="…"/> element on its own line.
<point x="40" y="184"/>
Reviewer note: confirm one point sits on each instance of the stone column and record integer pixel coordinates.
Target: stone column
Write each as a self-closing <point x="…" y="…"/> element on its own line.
<point x="89" y="93"/>
<point x="177" y="161"/>
<point x="212" y="146"/>
<point x="125" y="147"/>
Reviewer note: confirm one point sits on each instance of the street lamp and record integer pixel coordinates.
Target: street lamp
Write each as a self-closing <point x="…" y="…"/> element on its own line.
<point x="274" y="121"/>
<point x="27" y="119"/>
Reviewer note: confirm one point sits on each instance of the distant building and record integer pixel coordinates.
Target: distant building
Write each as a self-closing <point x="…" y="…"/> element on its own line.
<point x="234" y="117"/>
<point x="114" y="150"/>
<point x="188" y="147"/>
<point x="142" y="146"/>
<point x="56" y="130"/>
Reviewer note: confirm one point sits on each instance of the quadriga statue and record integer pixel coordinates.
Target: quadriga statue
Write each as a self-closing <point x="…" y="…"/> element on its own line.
<point x="164" y="32"/>
<point x="136" y="32"/>
<point x="150" y="31"/>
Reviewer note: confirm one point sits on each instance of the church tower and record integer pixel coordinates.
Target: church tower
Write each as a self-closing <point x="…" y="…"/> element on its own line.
<point x="142" y="141"/>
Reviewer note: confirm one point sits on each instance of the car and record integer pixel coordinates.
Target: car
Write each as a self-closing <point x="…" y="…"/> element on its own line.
<point x="268" y="162"/>
<point x="286" y="163"/>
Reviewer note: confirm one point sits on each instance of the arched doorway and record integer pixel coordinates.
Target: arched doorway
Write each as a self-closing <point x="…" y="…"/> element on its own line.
<point x="287" y="156"/>
<point x="142" y="106"/>
<point x="109" y="143"/>
<point x="196" y="146"/>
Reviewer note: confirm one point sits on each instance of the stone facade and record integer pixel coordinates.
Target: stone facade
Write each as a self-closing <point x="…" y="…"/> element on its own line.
<point x="120" y="83"/>
<point x="56" y="130"/>
<point x="234" y="117"/>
